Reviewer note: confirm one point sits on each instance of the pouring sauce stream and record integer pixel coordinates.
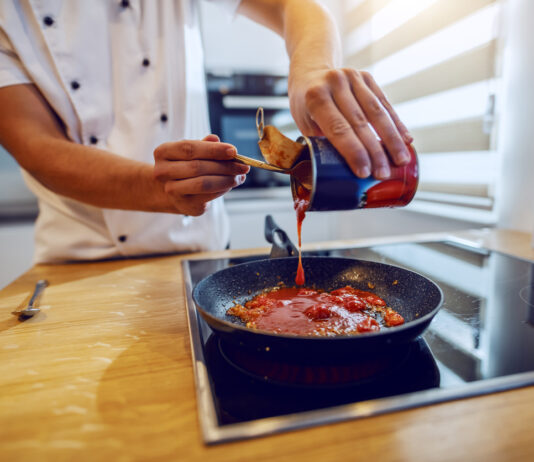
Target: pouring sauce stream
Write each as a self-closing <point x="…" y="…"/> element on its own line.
<point x="301" y="203"/>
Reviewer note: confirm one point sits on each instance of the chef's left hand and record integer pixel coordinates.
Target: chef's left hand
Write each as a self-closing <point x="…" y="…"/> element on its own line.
<point x="342" y="104"/>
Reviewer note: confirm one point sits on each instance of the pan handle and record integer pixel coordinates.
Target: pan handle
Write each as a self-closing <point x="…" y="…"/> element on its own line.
<point x="282" y="245"/>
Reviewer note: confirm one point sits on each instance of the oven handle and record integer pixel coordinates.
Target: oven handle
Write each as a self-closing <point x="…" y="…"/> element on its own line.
<point x="253" y="102"/>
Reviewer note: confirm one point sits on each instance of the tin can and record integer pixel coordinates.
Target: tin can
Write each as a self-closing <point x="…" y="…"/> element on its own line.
<point x="335" y="187"/>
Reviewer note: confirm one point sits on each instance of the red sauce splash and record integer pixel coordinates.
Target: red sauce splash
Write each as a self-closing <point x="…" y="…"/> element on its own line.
<point x="301" y="203"/>
<point x="304" y="311"/>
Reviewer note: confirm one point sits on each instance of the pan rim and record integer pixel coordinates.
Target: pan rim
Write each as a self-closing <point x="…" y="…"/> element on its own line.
<point x="390" y="330"/>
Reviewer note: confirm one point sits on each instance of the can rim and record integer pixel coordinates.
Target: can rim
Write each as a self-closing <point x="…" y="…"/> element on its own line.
<point x="304" y="140"/>
<point x="414" y="190"/>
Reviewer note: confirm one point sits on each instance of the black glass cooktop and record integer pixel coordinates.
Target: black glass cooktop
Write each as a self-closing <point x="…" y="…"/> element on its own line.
<point x="481" y="341"/>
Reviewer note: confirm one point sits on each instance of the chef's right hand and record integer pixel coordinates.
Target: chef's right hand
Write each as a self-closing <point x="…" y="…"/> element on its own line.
<point x="194" y="172"/>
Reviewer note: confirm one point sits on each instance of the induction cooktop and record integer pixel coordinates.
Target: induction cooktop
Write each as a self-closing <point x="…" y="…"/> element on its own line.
<point x="481" y="341"/>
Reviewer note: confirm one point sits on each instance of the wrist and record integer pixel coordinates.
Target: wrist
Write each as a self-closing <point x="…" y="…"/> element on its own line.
<point x="157" y="200"/>
<point x="302" y="63"/>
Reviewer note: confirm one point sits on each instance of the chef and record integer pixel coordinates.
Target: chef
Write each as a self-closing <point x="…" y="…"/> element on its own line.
<point x="104" y="108"/>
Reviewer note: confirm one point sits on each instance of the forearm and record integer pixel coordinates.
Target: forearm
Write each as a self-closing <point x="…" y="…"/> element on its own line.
<point x="312" y="39"/>
<point x="34" y="136"/>
<point x="341" y="103"/>
<point x="91" y="175"/>
<point x="310" y="34"/>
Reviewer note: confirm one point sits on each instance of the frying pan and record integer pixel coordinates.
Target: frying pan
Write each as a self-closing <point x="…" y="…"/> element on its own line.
<point x="414" y="296"/>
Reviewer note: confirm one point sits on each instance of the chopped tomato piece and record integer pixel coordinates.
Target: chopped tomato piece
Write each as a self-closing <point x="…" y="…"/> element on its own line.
<point x="344" y="291"/>
<point x="369" y="297"/>
<point x="368" y="325"/>
<point x="354" y="304"/>
<point x="336" y="299"/>
<point x="375" y="300"/>
<point x="304" y="291"/>
<point x="317" y="312"/>
<point x="392" y="318"/>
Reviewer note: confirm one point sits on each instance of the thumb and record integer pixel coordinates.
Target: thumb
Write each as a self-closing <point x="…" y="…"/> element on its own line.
<point x="211" y="137"/>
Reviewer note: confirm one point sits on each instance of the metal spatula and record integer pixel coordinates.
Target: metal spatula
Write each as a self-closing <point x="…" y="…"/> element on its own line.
<point x="302" y="171"/>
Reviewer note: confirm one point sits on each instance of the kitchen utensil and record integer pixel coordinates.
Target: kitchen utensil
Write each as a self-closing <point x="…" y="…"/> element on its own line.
<point x="415" y="297"/>
<point x="301" y="172"/>
<point x="31" y="308"/>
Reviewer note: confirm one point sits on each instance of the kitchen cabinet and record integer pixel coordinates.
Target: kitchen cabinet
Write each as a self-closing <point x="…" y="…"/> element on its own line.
<point x="248" y="207"/>
<point x="16" y="200"/>
<point x="16" y="249"/>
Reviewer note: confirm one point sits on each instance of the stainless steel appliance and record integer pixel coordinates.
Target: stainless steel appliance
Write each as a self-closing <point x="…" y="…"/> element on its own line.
<point x="481" y="341"/>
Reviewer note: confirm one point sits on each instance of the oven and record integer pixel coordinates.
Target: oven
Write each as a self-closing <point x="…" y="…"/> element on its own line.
<point x="233" y="101"/>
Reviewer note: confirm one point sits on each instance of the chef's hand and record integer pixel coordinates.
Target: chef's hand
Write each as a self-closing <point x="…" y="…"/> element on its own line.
<point x="195" y="172"/>
<point x="340" y="104"/>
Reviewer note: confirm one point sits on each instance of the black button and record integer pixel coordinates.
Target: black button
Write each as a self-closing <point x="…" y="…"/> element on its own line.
<point x="48" y="21"/>
<point x="163" y="118"/>
<point x="125" y="3"/>
<point x="146" y="62"/>
<point x="123" y="238"/>
<point x="74" y="85"/>
<point x="93" y="139"/>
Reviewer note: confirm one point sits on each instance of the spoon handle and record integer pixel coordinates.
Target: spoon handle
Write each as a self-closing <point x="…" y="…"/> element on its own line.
<point x="259" y="164"/>
<point x="39" y="287"/>
<point x="31" y="309"/>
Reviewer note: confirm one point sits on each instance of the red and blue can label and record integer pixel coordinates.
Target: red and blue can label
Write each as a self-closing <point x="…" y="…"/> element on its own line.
<point x="335" y="187"/>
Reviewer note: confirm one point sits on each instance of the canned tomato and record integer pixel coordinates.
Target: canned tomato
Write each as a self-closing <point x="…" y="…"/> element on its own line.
<point x="335" y="187"/>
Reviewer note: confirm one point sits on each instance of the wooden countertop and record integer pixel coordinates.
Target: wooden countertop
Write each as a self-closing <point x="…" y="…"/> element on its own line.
<point x="104" y="373"/>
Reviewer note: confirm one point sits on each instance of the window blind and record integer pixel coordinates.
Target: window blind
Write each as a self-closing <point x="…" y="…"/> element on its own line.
<point x="438" y="63"/>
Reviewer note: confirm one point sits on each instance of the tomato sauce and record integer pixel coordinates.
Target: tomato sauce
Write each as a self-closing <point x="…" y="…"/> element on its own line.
<point x="305" y="311"/>
<point x="301" y="203"/>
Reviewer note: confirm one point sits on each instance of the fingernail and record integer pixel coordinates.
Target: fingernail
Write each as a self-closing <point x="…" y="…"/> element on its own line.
<point x="364" y="172"/>
<point x="404" y="156"/>
<point x="242" y="179"/>
<point x="407" y="138"/>
<point x="383" y="173"/>
<point x="231" y="152"/>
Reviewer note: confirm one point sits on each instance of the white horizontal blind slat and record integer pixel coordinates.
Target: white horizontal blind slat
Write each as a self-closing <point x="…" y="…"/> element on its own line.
<point x="389" y="18"/>
<point x="460" y="37"/>
<point x="460" y="135"/>
<point x="472" y="66"/>
<point x="455" y="104"/>
<point x="365" y="42"/>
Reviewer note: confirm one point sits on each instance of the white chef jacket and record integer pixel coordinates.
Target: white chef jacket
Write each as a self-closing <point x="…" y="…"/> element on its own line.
<point x="124" y="76"/>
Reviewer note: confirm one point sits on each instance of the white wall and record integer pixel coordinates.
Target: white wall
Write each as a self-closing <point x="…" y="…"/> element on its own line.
<point x="241" y="45"/>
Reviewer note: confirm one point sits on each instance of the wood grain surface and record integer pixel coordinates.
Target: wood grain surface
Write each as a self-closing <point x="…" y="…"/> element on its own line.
<point x="104" y="373"/>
